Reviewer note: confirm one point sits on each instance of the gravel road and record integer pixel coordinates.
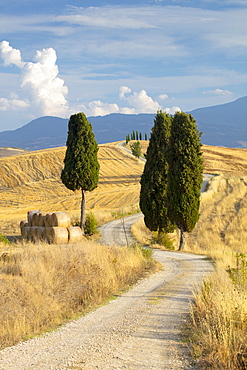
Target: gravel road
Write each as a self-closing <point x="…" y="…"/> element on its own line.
<point x="141" y="329"/>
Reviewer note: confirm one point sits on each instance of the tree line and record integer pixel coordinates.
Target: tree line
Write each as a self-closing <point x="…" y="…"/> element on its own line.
<point x="135" y="135"/>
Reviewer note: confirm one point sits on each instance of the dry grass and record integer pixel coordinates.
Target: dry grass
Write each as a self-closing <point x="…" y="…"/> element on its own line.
<point x="43" y="286"/>
<point x="219" y="313"/>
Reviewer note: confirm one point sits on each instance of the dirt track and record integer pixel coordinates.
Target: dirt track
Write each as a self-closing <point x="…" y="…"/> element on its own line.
<point x="139" y="330"/>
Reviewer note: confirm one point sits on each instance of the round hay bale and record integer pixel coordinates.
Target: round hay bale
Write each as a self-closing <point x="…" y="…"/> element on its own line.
<point x="75" y="234"/>
<point x="46" y="234"/>
<point x="41" y="219"/>
<point x="57" y="235"/>
<point x="47" y="220"/>
<point x="25" y="232"/>
<point x="35" y="219"/>
<point x="60" y="219"/>
<point x="38" y="233"/>
<point x="23" y="223"/>
<point x="31" y="234"/>
<point x="30" y="216"/>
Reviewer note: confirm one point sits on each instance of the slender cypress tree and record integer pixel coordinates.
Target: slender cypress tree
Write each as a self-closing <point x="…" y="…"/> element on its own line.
<point x="185" y="173"/>
<point x="154" y="180"/>
<point x="81" y="167"/>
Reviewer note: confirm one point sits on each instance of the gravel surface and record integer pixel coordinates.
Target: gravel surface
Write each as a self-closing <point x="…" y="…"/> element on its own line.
<point x="141" y="329"/>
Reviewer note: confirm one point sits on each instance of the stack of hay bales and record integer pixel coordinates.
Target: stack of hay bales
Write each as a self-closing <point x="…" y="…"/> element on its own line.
<point x="53" y="228"/>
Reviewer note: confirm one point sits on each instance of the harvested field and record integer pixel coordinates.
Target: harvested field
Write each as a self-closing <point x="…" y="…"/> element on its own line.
<point x="7" y="152"/>
<point x="32" y="181"/>
<point x="222" y="160"/>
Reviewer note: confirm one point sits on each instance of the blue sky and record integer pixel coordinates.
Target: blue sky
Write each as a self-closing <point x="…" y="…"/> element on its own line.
<point x="135" y="56"/>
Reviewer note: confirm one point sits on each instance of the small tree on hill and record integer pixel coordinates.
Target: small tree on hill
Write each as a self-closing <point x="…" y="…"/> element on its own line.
<point x="81" y="167"/>
<point x="136" y="149"/>
<point x="185" y="173"/>
<point x="154" y="180"/>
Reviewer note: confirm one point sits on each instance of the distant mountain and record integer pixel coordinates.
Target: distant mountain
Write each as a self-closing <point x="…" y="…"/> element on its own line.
<point x="222" y="125"/>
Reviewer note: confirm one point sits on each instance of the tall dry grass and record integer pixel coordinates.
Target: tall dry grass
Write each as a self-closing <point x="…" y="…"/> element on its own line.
<point x="42" y="286"/>
<point x="218" y="327"/>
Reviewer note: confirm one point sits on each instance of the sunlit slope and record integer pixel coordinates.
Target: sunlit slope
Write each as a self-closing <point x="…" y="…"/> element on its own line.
<point x="32" y="181"/>
<point x="221" y="160"/>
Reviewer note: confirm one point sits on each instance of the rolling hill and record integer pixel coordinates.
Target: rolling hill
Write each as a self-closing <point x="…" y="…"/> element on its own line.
<point x="32" y="181"/>
<point x="222" y="125"/>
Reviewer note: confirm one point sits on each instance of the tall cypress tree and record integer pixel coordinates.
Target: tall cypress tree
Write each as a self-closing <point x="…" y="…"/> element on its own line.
<point x="185" y="173"/>
<point x="154" y="180"/>
<point x="81" y="167"/>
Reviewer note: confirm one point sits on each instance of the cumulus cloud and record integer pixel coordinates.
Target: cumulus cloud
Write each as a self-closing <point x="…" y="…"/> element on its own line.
<point x="140" y="101"/>
<point x="12" y="104"/>
<point x="41" y="89"/>
<point x="218" y="92"/>
<point x="98" y="108"/>
<point x="123" y="90"/>
<point x="163" y="96"/>
<point x="42" y="85"/>
<point x="10" y="56"/>
<point x="172" y="110"/>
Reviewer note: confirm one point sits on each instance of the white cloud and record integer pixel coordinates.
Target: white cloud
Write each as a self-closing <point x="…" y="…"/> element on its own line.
<point x="218" y="92"/>
<point x="12" y="104"/>
<point x="140" y="101"/>
<point x="172" y="110"/>
<point x="42" y="85"/>
<point x="123" y="90"/>
<point x="9" y="55"/>
<point x="98" y="108"/>
<point x="163" y="96"/>
<point x="44" y="92"/>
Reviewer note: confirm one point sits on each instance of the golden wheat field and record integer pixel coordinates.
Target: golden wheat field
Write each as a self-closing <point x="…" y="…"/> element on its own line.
<point x="31" y="181"/>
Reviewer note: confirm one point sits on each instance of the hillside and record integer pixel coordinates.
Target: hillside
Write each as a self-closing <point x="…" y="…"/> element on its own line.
<point x="222" y="125"/>
<point x="7" y="152"/>
<point x="32" y="180"/>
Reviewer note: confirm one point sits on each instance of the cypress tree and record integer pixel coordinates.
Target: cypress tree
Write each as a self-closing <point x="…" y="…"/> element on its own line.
<point x="140" y="136"/>
<point x="146" y="137"/>
<point x="185" y="173"/>
<point x="154" y="180"/>
<point x="81" y="167"/>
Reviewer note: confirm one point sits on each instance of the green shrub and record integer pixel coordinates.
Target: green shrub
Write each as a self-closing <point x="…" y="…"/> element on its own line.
<point x="4" y="240"/>
<point x="162" y="239"/>
<point x="91" y="224"/>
